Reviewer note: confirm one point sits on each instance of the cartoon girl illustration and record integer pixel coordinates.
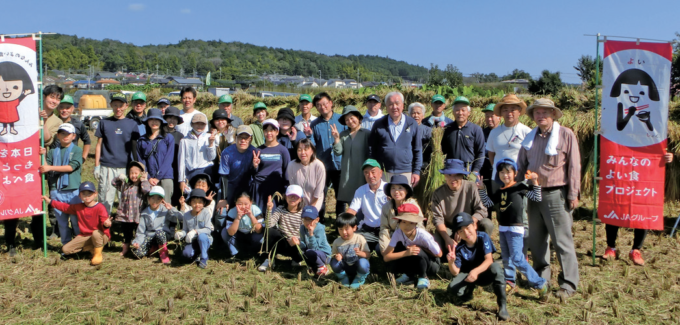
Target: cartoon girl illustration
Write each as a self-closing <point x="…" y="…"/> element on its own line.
<point x="15" y="85"/>
<point x="635" y="88"/>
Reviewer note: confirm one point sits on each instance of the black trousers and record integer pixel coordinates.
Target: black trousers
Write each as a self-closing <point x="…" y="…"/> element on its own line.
<point x="613" y="232"/>
<point x="282" y="247"/>
<point x="36" y="230"/>
<point x="492" y="275"/>
<point x="417" y="266"/>
<point x="332" y="181"/>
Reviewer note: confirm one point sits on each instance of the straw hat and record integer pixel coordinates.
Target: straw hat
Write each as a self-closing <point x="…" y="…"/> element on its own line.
<point x="547" y="103"/>
<point x="510" y="99"/>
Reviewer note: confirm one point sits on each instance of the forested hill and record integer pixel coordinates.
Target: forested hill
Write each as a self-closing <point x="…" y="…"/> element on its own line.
<point x="236" y="59"/>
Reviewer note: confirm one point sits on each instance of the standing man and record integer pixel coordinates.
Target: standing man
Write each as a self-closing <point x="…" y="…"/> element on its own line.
<point x="138" y="111"/>
<point x="188" y="95"/>
<point x="226" y="103"/>
<point x="373" y="111"/>
<point x="369" y="200"/>
<point x="437" y="118"/>
<point x="117" y="139"/>
<point x="463" y="139"/>
<point x="551" y="151"/>
<point x="162" y="104"/>
<point x="491" y="121"/>
<point x="305" y="108"/>
<point x="505" y="141"/>
<point x="52" y="96"/>
<point x="320" y="133"/>
<point x="395" y="141"/>
<point x="64" y="111"/>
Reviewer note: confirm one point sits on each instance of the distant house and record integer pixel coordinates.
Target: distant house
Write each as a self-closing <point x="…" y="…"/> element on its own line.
<point x="184" y="82"/>
<point x="308" y="84"/>
<point x="105" y="75"/>
<point x="82" y="84"/>
<point x="160" y="81"/>
<point x="101" y="84"/>
<point x="519" y="83"/>
<point x="351" y="83"/>
<point x="334" y="83"/>
<point x="134" y="81"/>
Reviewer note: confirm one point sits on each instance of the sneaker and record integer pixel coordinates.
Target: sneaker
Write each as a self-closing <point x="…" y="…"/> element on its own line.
<point x="543" y="293"/>
<point x="203" y="263"/>
<point x="264" y="266"/>
<point x="404" y="279"/>
<point x="322" y="271"/>
<point x="358" y="281"/>
<point x="636" y="257"/>
<point x="423" y="283"/>
<point x="563" y="294"/>
<point x="344" y="280"/>
<point x="610" y="254"/>
<point x="12" y="251"/>
<point x="296" y="264"/>
<point x="510" y="287"/>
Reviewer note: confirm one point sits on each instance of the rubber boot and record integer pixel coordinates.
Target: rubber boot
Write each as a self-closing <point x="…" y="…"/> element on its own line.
<point x="97" y="258"/>
<point x="499" y="290"/>
<point x="358" y="281"/>
<point x="342" y="276"/>
<point x="164" y="255"/>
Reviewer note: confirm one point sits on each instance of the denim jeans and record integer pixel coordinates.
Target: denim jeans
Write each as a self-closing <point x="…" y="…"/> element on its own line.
<point x="70" y="197"/>
<point x="360" y="267"/>
<point x="201" y="243"/>
<point x="249" y="242"/>
<point x="511" y="252"/>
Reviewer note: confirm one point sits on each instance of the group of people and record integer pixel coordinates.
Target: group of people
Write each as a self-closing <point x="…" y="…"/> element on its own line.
<point x="222" y="179"/>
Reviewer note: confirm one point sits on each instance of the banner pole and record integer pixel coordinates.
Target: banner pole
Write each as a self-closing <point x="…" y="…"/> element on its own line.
<point x="42" y="144"/>
<point x="597" y="135"/>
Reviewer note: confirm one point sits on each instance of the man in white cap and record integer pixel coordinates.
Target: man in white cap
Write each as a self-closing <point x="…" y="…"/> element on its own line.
<point x="197" y="151"/>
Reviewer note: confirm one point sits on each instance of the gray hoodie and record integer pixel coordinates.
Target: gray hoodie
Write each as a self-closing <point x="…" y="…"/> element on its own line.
<point x="201" y="223"/>
<point x="148" y="227"/>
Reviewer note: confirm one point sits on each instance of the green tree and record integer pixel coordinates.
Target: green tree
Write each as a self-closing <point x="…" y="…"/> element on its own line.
<point x="549" y="83"/>
<point x="453" y="76"/>
<point x="585" y="69"/>
<point x="436" y="76"/>
<point x="517" y="74"/>
<point x="675" y="66"/>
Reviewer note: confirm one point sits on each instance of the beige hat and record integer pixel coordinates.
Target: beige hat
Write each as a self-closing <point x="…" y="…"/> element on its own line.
<point x="199" y="118"/>
<point x="510" y="99"/>
<point x="244" y="129"/>
<point x="547" y="103"/>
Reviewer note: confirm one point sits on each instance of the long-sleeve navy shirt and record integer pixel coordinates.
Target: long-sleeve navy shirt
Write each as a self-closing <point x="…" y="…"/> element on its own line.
<point x="323" y="140"/>
<point x="466" y="143"/>
<point x="159" y="161"/>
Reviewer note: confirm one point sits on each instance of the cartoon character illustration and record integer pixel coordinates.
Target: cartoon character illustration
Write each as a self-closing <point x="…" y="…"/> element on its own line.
<point x="635" y="88"/>
<point x="15" y="85"/>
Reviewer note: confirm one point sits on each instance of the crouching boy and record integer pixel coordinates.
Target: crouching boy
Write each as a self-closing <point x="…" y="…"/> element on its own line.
<point x="196" y="229"/>
<point x="154" y="226"/>
<point x="93" y="221"/>
<point x="471" y="263"/>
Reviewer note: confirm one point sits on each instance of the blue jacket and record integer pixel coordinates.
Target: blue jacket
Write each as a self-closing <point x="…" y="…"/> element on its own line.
<point x="317" y="241"/>
<point x="323" y="141"/>
<point x="401" y="156"/>
<point x="159" y="162"/>
<point x="466" y="143"/>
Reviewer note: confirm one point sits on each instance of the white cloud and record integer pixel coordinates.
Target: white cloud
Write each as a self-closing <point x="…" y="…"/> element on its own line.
<point x="136" y="7"/>
<point x="185" y="11"/>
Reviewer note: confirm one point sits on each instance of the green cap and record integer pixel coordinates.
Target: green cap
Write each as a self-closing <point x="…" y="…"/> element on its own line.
<point x="225" y="99"/>
<point x="438" y="98"/>
<point x="371" y="163"/>
<point x="306" y="97"/>
<point x="119" y="96"/>
<point x="461" y="100"/>
<point x="67" y="99"/>
<point x="139" y="96"/>
<point x="489" y="108"/>
<point x="260" y="105"/>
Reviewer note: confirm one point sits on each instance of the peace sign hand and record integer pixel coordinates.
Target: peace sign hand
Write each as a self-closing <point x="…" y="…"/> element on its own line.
<point x="307" y="129"/>
<point x="334" y="132"/>
<point x="293" y="133"/>
<point x="270" y="204"/>
<point x="213" y="135"/>
<point x="256" y="158"/>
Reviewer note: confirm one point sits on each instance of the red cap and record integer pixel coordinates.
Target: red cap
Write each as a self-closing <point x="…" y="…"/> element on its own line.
<point x="408" y="208"/>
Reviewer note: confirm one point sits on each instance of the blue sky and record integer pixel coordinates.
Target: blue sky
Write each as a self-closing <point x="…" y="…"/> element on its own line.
<point x="476" y="36"/>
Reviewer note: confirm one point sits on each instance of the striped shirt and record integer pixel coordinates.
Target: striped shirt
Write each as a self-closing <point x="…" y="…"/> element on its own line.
<point x="564" y="169"/>
<point x="288" y="222"/>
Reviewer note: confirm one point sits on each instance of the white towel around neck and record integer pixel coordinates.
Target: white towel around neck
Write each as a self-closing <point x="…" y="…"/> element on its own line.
<point x="551" y="148"/>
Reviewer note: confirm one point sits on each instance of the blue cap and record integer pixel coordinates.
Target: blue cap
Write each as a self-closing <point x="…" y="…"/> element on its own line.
<point x="460" y="220"/>
<point x="373" y="97"/>
<point x="87" y="186"/>
<point x="310" y="212"/>
<point x="453" y="167"/>
<point x="507" y="161"/>
<point x="164" y="101"/>
<point x="155" y="113"/>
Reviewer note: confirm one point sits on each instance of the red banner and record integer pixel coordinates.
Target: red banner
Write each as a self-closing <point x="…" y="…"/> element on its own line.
<point x="636" y="82"/>
<point x="20" y="182"/>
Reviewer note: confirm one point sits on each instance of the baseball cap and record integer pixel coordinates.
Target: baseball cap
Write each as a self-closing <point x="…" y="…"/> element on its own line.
<point x="225" y="99"/>
<point x="294" y="190"/>
<point x="119" y="96"/>
<point x="163" y="101"/>
<point x="305" y="97"/>
<point x="259" y="106"/>
<point x="199" y="118"/>
<point x="370" y="162"/>
<point x="139" y="96"/>
<point x="270" y="121"/>
<point x="87" y="186"/>
<point x="68" y="127"/>
<point x="373" y="97"/>
<point x="157" y="190"/>
<point x="67" y="99"/>
<point x="462" y="219"/>
<point x="461" y="100"/>
<point x="438" y="98"/>
<point x="310" y="212"/>
<point x="244" y="129"/>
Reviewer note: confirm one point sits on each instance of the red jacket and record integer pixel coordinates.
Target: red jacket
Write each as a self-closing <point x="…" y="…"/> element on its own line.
<point x="89" y="218"/>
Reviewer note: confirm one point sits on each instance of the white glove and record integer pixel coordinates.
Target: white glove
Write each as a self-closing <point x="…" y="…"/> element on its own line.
<point x="190" y="236"/>
<point x="122" y="177"/>
<point x="97" y="170"/>
<point x="179" y="235"/>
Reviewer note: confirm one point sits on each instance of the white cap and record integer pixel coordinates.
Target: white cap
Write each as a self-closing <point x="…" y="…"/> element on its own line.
<point x="68" y="127"/>
<point x="294" y="190"/>
<point x="271" y="121"/>
<point x="157" y="190"/>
